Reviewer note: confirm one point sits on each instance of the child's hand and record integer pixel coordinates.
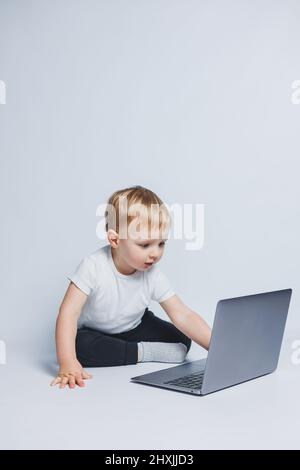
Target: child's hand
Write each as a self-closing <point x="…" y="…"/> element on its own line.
<point x="71" y="373"/>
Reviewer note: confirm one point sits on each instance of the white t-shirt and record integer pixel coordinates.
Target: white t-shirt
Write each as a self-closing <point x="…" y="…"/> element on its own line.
<point x="116" y="302"/>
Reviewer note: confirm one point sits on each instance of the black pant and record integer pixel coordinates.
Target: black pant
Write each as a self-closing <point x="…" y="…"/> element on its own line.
<point x="97" y="349"/>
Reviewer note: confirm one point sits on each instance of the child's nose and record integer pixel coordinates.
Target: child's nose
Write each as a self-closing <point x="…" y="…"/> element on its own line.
<point x="154" y="256"/>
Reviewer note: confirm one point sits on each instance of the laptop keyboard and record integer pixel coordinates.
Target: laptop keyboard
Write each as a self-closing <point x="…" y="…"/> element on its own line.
<point x="188" y="381"/>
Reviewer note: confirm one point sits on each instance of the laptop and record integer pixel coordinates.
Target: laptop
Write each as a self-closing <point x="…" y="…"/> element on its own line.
<point x="245" y="344"/>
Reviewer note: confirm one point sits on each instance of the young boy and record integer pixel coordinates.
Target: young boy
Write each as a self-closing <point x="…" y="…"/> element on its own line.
<point x="104" y="318"/>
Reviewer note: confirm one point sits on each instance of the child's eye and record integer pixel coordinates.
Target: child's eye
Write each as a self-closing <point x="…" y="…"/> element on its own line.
<point x="147" y="244"/>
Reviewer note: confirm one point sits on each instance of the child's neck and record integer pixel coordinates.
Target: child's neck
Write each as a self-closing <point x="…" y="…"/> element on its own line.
<point x="120" y="264"/>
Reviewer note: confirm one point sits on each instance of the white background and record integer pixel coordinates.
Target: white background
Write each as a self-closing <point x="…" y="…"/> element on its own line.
<point x="191" y="99"/>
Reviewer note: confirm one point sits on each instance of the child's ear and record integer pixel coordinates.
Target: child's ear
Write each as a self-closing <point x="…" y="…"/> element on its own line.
<point x="113" y="238"/>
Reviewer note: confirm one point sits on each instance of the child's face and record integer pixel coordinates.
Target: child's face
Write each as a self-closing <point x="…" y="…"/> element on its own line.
<point x="141" y="250"/>
<point x="137" y="253"/>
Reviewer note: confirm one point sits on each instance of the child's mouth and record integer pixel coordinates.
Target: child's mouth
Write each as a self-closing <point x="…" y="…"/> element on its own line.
<point x="148" y="265"/>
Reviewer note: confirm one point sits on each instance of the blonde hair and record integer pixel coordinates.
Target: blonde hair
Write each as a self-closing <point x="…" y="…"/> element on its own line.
<point x="136" y="196"/>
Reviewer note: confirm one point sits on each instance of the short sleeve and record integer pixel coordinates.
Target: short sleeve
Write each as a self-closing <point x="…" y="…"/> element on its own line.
<point x="84" y="275"/>
<point x="162" y="289"/>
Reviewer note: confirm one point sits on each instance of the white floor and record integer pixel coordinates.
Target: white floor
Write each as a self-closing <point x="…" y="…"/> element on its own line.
<point x="113" y="413"/>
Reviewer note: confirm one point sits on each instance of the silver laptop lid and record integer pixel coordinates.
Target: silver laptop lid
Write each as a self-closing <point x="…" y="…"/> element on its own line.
<point x="246" y="339"/>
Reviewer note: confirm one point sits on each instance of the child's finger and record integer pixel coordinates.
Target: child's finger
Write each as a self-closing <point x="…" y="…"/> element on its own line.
<point x="71" y="382"/>
<point x="64" y="382"/>
<point x="79" y="380"/>
<point x="85" y="375"/>
<point x="55" y="381"/>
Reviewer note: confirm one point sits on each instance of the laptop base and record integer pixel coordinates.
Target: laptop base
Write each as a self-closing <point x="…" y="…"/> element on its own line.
<point x="185" y="377"/>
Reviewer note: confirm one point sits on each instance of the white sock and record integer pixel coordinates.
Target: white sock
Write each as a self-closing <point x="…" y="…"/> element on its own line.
<point x="161" y="352"/>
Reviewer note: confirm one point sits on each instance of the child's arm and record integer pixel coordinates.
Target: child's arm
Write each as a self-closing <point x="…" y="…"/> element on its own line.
<point x="70" y="371"/>
<point x="187" y="321"/>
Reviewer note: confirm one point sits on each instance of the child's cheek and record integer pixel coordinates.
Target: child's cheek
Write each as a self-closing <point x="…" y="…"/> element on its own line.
<point x="138" y="259"/>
